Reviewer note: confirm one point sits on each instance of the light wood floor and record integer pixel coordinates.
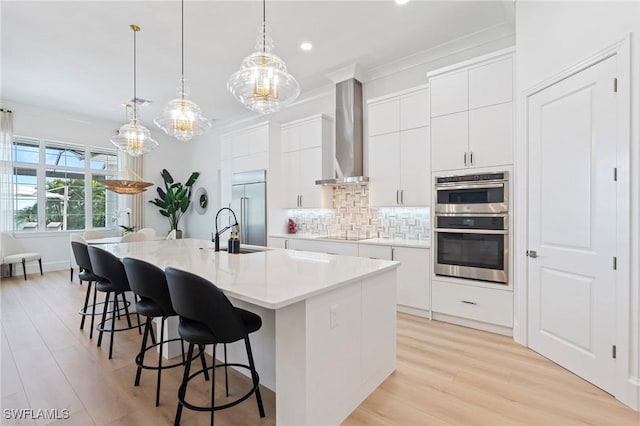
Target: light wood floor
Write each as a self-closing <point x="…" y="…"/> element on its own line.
<point x="446" y="374"/>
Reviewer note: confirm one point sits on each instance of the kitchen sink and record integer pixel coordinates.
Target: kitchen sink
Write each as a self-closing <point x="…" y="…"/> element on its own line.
<point x="245" y="250"/>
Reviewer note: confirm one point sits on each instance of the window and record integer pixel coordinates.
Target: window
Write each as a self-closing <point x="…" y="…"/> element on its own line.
<point x="62" y="178"/>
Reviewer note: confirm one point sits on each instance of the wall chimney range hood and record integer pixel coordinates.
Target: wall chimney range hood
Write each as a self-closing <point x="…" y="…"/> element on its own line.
<point x="348" y="147"/>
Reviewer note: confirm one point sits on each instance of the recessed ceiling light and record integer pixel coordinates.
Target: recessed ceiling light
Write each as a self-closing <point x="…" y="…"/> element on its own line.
<point x="401" y="2"/>
<point x="306" y="46"/>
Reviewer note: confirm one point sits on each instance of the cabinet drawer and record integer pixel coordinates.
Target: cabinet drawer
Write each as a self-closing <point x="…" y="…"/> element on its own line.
<point x="330" y="247"/>
<point x="475" y="303"/>
<point x="374" y="252"/>
<point x="277" y="242"/>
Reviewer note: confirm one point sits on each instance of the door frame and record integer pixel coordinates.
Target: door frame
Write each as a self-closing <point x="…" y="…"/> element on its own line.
<point x="627" y="387"/>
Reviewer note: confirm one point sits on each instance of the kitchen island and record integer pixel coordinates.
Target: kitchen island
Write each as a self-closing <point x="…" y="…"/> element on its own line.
<point x="329" y="327"/>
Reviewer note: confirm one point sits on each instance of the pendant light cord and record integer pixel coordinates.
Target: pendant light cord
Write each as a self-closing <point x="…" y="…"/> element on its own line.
<point x="135" y="97"/>
<point x="182" y="36"/>
<point x="264" y="26"/>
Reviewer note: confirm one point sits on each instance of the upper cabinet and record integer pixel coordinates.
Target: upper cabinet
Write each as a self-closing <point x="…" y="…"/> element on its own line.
<point x="472" y="113"/>
<point x="405" y="111"/>
<point x="301" y="159"/>
<point x="243" y="150"/>
<point x="399" y="149"/>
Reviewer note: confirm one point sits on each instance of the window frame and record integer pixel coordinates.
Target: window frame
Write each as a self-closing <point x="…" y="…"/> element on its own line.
<point x="41" y="169"/>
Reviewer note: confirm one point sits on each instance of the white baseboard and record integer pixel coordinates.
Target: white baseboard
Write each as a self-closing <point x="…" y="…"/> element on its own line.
<point x="412" y="311"/>
<point x="492" y="328"/>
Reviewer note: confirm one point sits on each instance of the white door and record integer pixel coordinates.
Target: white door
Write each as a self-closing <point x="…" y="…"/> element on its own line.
<point x="572" y="224"/>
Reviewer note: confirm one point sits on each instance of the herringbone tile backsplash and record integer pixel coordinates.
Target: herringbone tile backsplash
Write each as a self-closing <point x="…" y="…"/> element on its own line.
<point x="351" y="216"/>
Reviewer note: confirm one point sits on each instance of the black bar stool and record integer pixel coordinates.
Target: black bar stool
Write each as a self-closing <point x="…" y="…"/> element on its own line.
<point x="113" y="279"/>
<point x="81" y="254"/>
<point x="149" y="283"/>
<point x="207" y="317"/>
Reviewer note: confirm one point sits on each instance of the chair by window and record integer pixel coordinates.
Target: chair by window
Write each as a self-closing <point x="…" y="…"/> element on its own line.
<point x="148" y="231"/>
<point x="90" y="234"/>
<point x="133" y="236"/>
<point x="72" y="259"/>
<point x="13" y="252"/>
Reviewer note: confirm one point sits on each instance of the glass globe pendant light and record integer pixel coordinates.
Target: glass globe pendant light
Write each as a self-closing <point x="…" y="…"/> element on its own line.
<point x="134" y="138"/>
<point x="182" y="118"/>
<point x="262" y="83"/>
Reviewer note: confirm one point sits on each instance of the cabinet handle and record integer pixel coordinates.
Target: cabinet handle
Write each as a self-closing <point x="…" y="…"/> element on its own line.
<point x="465" y="158"/>
<point x="402" y="196"/>
<point x="468" y="303"/>
<point x="286" y="244"/>
<point x="397" y="196"/>
<point x="393" y="253"/>
<point x="471" y="158"/>
<point x="301" y="201"/>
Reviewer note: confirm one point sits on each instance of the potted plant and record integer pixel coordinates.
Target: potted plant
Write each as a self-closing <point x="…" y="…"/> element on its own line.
<point x="174" y="199"/>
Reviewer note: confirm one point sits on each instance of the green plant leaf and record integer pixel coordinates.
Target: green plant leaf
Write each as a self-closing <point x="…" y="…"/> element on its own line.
<point x="192" y="179"/>
<point x="161" y="193"/>
<point x="184" y="204"/>
<point x="167" y="176"/>
<point x="164" y="213"/>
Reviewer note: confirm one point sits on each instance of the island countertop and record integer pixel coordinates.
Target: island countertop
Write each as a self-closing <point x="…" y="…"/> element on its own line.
<point x="273" y="278"/>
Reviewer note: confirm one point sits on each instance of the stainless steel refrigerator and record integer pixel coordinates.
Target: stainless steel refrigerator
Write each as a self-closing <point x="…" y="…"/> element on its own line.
<point x="249" y="202"/>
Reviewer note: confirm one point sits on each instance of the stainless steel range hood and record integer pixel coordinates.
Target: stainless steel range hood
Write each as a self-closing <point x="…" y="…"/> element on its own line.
<point x="348" y="147"/>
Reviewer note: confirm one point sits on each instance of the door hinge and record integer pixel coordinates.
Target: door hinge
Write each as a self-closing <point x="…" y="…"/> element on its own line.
<point x="613" y="351"/>
<point x="615" y="263"/>
<point x="615" y="85"/>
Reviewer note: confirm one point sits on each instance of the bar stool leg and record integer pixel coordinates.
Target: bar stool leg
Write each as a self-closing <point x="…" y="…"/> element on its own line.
<point x="113" y="324"/>
<point x="226" y="374"/>
<point x="204" y="361"/>
<point x="126" y="310"/>
<point x="213" y="383"/>
<point x="104" y="317"/>
<point x="24" y="269"/>
<point x="147" y="325"/>
<point x="86" y="303"/>
<point x="93" y="311"/>
<point x="247" y="344"/>
<point x="160" y="360"/>
<point x="182" y="392"/>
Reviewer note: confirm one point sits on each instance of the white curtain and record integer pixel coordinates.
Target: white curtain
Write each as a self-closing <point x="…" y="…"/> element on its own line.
<point x="6" y="171"/>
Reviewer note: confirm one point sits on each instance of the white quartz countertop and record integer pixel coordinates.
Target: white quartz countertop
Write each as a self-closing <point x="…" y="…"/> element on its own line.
<point x="397" y="242"/>
<point x="273" y="278"/>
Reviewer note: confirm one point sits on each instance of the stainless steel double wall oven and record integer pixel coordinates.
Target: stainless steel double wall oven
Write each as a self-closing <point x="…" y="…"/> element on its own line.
<point x="472" y="226"/>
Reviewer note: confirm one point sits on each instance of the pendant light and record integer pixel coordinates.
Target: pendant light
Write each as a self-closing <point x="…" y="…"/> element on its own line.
<point x="127" y="183"/>
<point x="133" y="137"/>
<point x="263" y="84"/>
<point x="182" y="117"/>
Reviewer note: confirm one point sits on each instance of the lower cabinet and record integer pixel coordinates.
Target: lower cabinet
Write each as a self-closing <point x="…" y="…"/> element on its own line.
<point x="329" y="247"/>
<point x="413" y="275"/>
<point x="488" y="305"/>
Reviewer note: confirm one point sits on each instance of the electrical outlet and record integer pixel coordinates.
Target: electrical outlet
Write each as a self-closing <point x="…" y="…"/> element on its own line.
<point x="333" y="316"/>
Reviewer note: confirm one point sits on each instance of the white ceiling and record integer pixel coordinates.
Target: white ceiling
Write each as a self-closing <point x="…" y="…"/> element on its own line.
<point x="77" y="56"/>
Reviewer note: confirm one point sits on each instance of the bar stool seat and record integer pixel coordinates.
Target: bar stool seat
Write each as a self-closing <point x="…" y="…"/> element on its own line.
<point x="207" y="317"/>
<point x="149" y="283"/>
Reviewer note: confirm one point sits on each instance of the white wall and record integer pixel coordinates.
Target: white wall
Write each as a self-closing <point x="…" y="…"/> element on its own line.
<point x="553" y="36"/>
<point x="34" y="122"/>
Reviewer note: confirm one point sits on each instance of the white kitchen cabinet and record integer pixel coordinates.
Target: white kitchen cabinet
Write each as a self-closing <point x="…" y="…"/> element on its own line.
<point x="277" y="242"/>
<point x="480" y="132"/>
<point x="323" y="246"/>
<point x="414" y="110"/>
<point x="415" y="173"/>
<point x="384" y="117"/>
<point x="399" y="161"/>
<point x="488" y="305"/>
<point x="491" y="84"/>
<point x="384" y="169"/>
<point x="449" y="141"/>
<point x="413" y="274"/>
<point x="491" y="135"/>
<point x="449" y="93"/>
<point x="301" y="159"/>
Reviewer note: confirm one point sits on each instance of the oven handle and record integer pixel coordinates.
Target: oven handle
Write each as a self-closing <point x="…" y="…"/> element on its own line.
<point x="446" y="186"/>
<point x="472" y="231"/>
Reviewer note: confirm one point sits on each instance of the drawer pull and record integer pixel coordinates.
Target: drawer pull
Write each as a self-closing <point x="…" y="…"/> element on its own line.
<point x="468" y="303"/>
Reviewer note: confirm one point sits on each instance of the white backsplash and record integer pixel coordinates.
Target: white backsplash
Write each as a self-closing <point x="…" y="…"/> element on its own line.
<point x="352" y="216"/>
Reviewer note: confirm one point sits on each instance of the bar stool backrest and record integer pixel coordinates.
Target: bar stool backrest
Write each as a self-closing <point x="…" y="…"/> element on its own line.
<point x="108" y="266"/>
<point x="149" y="282"/>
<point x="198" y="299"/>
<point x="81" y="253"/>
